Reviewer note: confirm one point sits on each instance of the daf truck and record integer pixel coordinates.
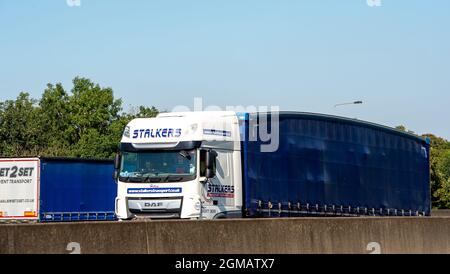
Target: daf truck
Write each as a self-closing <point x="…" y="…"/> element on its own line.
<point x="212" y="165"/>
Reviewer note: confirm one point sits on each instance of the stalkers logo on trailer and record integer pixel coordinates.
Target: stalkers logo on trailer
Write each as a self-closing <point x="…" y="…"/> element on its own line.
<point x="157" y="133"/>
<point x="220" y="191"/>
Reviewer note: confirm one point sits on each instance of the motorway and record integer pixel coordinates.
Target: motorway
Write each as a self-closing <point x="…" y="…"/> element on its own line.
<point x="262" y="236"/>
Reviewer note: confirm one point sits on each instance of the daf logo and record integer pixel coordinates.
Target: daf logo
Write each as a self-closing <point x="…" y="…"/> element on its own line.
<point x="158" y="204"/>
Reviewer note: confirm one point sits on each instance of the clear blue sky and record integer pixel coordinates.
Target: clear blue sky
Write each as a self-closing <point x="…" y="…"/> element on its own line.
<point x="300" y="55"/>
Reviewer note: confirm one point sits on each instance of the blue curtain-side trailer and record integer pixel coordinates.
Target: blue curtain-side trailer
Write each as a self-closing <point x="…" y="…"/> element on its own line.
<point x="334" y="166"/>
<point x="49" y="189"/>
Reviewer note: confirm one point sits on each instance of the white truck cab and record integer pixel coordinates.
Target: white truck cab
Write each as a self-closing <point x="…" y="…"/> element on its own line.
<point x="180" y="165"/>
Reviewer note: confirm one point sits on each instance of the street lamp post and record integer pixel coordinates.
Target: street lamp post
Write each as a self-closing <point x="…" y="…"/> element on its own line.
<point x="350" y="103"/>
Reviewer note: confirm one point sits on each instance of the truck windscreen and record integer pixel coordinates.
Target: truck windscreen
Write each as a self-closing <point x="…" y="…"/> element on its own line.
<point x="158" y="166"/>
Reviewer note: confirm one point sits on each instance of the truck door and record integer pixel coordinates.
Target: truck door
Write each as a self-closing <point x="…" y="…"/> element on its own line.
<point x="219" y="192"/>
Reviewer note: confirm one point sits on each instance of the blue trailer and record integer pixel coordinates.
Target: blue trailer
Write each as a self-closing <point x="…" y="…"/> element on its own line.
<point x="57" y="189"/>
<point x="327" y="165"/>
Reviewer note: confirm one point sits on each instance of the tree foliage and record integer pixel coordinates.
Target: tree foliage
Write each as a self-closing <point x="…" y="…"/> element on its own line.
<point x="440" y="171"/>
<point x="86" y="121"/>
<point x="19" y="130"/>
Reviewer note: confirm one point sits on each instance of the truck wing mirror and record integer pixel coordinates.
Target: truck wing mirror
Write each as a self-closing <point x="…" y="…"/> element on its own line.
<point x="211" y="157"/>
<point x="117" y="159"/>
<point x="210" y="173"/>
<point x="116" y="175"/>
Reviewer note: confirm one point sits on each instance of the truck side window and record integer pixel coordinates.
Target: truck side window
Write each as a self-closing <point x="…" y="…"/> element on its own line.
<point x="202" y="163"/>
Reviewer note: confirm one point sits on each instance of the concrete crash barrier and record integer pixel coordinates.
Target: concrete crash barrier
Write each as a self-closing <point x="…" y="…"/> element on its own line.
<point x="440" y="212"/>
<point x="262" y="236"/>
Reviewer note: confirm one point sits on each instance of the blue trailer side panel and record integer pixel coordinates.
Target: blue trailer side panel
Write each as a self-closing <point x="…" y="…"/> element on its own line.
<point x="339" y="166"/>
<point x="76" y="189"/>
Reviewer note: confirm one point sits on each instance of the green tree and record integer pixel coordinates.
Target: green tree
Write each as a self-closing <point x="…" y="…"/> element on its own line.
<point x="439" y="171"/>
<point x="85" y="122"/>
<point x="54" y="120"/>
<point x="19" y="127"/>
<point x="95" y="120"/>
<point x="91" y="106"/>
<point x="444" y="164"/>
